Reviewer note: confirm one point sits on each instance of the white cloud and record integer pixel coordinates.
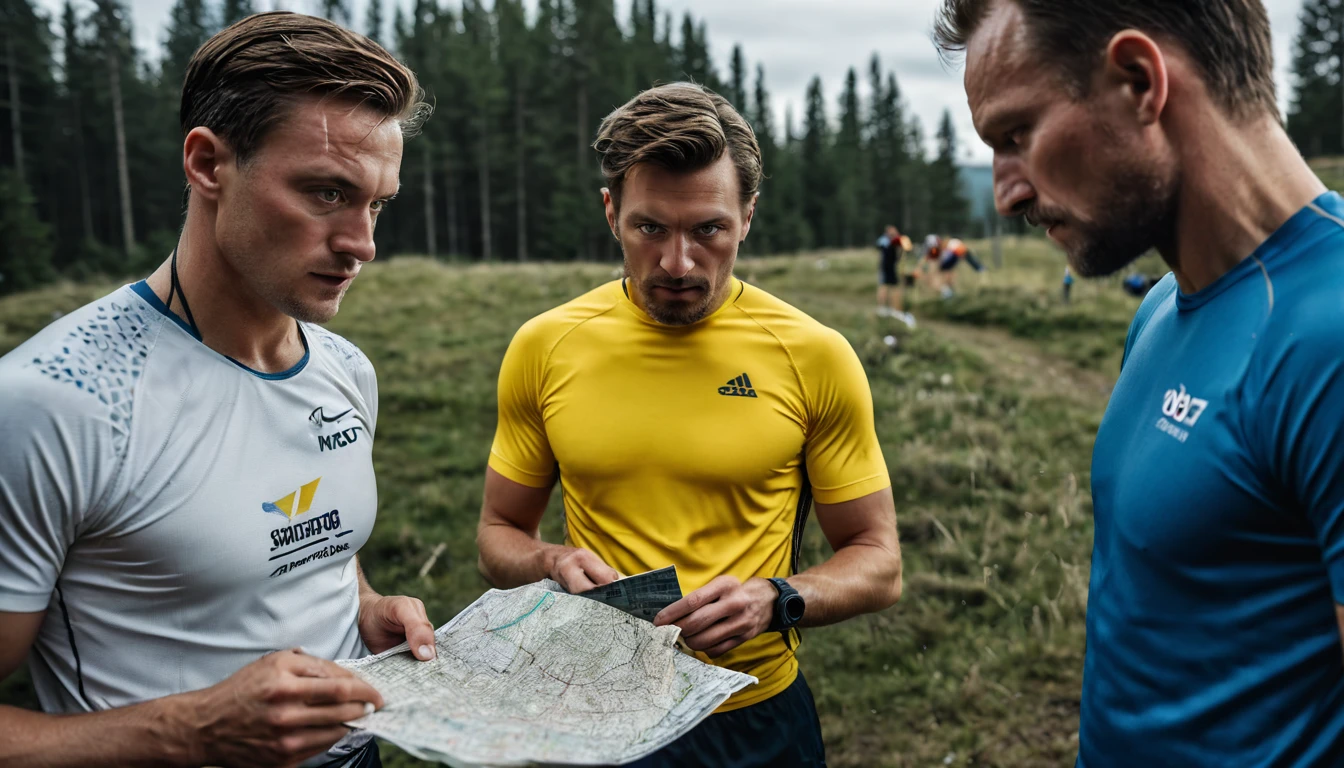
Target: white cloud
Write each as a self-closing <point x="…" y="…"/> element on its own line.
<point x="796" y="39"/>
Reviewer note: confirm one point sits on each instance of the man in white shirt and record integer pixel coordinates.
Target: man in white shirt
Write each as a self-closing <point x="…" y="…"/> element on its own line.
<point x="186" y="473"/>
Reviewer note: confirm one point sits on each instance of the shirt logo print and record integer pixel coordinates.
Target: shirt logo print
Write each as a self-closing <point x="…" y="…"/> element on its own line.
<point x="738" y="387"/>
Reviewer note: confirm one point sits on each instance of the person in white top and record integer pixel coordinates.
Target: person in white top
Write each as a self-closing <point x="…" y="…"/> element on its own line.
<point x="186" y="474"/>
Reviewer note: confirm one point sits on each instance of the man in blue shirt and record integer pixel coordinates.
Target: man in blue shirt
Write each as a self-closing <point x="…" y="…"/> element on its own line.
<point x="1214" y="619"/>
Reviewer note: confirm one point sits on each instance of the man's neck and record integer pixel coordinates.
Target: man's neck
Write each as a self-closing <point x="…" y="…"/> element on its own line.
<point x="1239" y="184"/>
<point x="230" y="319"/>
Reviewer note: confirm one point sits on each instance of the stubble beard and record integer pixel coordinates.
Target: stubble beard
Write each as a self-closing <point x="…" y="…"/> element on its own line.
<point x="1139" y="214"/>
<point x="679" y="313"/>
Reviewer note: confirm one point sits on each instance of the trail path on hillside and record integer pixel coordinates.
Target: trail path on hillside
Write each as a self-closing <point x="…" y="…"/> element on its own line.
<point x="1025" y="363"/>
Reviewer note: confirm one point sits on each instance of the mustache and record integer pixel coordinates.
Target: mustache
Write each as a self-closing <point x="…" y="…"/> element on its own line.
<point x="677" y="283"/>
<point x="1037" y="216"/>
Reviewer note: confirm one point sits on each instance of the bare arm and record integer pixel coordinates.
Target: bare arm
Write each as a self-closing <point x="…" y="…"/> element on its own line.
<point x="277" y="711"/>
<point x="147" y="734"/>
<point x="863" y="576"/>
<point x="509" y="540"/>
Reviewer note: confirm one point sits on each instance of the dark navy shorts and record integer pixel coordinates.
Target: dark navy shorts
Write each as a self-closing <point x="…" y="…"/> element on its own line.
<point x="364" y="757"/>
<point x="781" y="732"/>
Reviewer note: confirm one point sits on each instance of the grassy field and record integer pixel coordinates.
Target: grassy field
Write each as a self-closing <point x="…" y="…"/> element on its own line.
<point x="986" y="414"/>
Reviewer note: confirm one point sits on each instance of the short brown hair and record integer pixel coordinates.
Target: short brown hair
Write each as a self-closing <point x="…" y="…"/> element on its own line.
<point x="681" y="127"/>
<point x="242" y="82"/>
<point x="1229" y="40"/>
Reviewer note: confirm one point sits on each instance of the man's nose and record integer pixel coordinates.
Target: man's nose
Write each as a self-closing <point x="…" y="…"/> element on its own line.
<point x="1012" y="192"/>
<point x="676" y="260"/>
<point x="355" y="235"/>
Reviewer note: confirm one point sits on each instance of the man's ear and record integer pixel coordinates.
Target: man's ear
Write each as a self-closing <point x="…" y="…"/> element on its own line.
<point x="610" y="205"/>
<point x="1137" y="71"/>
<point x="751" y="213"/>
<point x="207" y="161"/>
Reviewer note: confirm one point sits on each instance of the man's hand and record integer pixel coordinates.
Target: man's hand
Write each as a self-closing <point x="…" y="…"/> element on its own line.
<point x="386" y="622"/>
<point x="723" y="614"/>
<point x="578" y="570"/>
<point x="278" y="711"/>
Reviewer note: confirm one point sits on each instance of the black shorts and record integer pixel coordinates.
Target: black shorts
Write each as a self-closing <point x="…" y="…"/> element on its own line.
<point x="887" y="270"/>
<point x="948" y="263"/>
<point x="365" y="757"/>
<point x="781" y="732"/>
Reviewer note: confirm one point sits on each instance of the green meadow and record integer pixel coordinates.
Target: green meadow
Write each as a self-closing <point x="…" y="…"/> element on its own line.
<point x="986" y="413"/>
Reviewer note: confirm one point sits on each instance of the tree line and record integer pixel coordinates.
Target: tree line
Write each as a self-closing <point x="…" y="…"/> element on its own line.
<point x="1316" y="112"/>
<point x="90" y="153"/>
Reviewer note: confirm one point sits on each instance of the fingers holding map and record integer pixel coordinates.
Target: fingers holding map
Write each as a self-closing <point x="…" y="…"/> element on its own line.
<point x="534" y="675"/>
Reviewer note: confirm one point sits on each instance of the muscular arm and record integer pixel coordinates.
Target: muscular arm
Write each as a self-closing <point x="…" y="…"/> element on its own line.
<point x="509" y="540"/>
<point x="509" y="533"/>
<point x="149" y="734"/>
<point x="864" y="574"/>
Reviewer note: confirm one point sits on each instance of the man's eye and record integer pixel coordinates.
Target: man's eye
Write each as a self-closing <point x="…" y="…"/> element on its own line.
<point x="709" y="230"/>
<point x="649" y="229"/>
<point x="332" y="196"/>
<point x="378" y="205"/>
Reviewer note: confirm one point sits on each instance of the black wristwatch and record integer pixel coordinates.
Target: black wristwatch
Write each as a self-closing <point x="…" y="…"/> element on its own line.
<point x="789" y="607"/>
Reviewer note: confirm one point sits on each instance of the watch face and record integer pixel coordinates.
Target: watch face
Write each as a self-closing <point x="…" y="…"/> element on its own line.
<point x="793" y="608"/>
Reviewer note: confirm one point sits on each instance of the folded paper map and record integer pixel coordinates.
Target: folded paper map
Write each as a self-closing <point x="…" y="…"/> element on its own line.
<point x="536" y="675"/>
<point x="643" y="595"/>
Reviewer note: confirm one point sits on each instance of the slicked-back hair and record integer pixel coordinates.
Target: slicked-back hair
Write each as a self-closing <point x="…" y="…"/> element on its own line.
<point x="243" y="81"/>
<point x="1229" y="40"/>
<point x="682" y="127"/>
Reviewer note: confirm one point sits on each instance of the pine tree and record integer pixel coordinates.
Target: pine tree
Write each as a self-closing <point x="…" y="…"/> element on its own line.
<point x="114" y="40"/>
<point x="337" y="10"/>
<point x="15" y="100"/>
<point x="737" y="79"/>
<point x="401" y="29"/>
<point x="235" y="10"/>
<point x="817" y="173"/>
<point x="484" y="95"/>
<point x="25" y="261"/>
<point x="694" y="53"/>
<point x="1316" y="115"/>
<point x="647" y="60"/>
<point x="74" y="77"/>
<point x="516" y="65"/>
<point x="853" y="199"/>
<point x="888" y="156"/>
<point x="950" y="209"/>
<point x="373" y="21"/>
<point x="188" y="28"/>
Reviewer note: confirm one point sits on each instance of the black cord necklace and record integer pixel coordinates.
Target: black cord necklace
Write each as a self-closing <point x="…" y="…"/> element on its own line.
<point x="176" y="289"/>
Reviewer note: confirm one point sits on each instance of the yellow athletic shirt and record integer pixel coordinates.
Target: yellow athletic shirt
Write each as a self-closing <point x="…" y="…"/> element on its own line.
<point x="690" y="446"/>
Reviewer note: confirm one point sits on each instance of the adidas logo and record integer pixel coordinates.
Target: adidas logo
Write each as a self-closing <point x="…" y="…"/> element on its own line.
<point x="738" y="387"/>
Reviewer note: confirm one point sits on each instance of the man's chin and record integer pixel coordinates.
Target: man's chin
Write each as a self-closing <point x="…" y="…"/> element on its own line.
<point x="676" y="312"/>
<point x="312" y="311"/>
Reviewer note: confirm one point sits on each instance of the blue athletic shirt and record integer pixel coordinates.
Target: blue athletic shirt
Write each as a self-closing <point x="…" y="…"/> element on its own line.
<point x="1218" y="488"/>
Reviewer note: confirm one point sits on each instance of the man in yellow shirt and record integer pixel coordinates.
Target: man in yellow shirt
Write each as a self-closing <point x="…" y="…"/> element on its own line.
<point x="691" y="420"/>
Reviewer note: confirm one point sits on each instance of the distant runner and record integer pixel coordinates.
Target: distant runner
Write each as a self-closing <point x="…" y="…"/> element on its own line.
<point x="953" y="252"/>
<point x="890" y="293"/>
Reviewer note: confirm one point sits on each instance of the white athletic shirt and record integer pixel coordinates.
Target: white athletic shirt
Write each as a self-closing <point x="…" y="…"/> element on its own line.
<point x="176" y="514"/>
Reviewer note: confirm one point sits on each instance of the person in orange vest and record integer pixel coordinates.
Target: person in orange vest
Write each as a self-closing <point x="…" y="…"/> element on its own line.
<point x="953" y="253"/>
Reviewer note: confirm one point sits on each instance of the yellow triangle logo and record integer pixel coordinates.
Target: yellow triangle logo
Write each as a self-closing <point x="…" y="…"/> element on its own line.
<point x="305" y="494"/>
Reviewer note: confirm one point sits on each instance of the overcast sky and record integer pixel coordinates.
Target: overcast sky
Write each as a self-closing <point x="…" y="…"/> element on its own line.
<point x="796" y="39"/>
